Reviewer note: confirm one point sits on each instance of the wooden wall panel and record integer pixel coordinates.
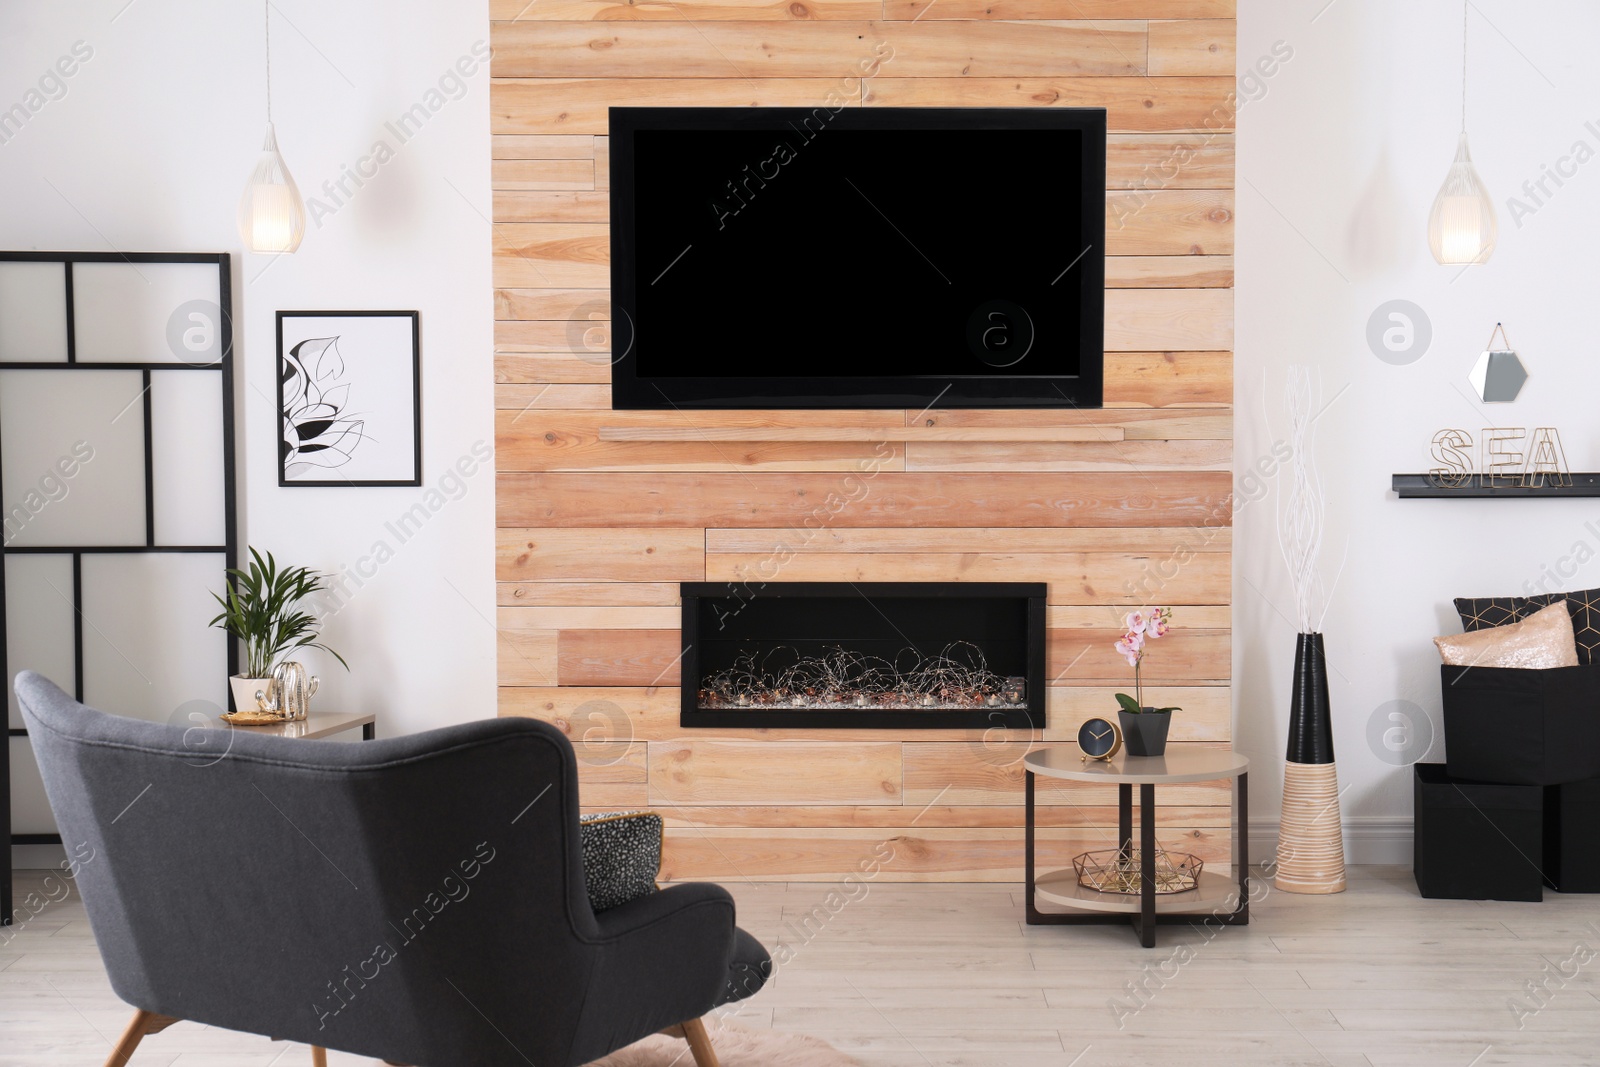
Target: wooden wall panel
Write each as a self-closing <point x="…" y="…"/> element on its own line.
<point x="1155" y="379"/>
<point x="1100" y="577"/>
<point x="1053" y="9"/>
<point x="602" y="513"/>
<point x="1169" y="222"/>
<point x="1157" y="539"/>
<point x="1133" y="160"/>
<point x="1190" y="46"/>
<point x="1202" y="105"/>
<point x="908" y="10"/>
<point x="698" y="501"/>
<point x="580" y="105"/>
<point x="820" y="49"/>
<point x="906" y="854"/>
<point x="620" y="657"/>
<point x="615" y="555"/>
<point x="753" y="772"/>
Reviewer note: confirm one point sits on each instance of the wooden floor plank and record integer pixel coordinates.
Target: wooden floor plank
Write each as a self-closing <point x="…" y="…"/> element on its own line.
<point x="947" y="975"/>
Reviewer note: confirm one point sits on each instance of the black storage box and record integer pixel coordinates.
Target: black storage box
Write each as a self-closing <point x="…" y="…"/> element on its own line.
<point x="1572" y="837"/>
<point x="1475" y="840"/>
<point x="1522" y="727"/>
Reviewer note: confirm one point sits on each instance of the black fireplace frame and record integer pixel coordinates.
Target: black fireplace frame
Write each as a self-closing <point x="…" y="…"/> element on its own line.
<point x="1031" y="716"/>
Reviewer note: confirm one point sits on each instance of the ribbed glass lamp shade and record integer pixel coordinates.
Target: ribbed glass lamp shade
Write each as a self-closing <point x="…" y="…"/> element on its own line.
<point x="1462" y="227"/>
<point x="272" y="217"/>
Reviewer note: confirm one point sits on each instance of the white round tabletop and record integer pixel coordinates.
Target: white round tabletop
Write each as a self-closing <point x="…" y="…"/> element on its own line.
<point x="1180" y="764"/>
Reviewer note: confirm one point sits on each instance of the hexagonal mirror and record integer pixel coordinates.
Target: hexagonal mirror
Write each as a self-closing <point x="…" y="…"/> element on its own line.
<point x="1497" y="377"/>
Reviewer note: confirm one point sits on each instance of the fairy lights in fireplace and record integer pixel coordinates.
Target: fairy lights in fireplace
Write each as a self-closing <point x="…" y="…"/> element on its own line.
<point x="958" y="677"/>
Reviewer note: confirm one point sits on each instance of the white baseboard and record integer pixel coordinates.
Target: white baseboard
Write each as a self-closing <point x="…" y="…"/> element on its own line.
<point x="1372" y="839"/>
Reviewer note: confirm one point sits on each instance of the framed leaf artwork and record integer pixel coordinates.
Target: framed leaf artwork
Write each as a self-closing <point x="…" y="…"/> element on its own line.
<point x="349" y="398"/>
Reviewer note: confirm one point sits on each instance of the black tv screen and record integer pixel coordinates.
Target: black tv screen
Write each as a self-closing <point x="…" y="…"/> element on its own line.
<point x="869" y="257"/>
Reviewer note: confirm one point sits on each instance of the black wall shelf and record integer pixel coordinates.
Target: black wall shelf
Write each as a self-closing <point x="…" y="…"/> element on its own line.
<point x="1421" y="486"/>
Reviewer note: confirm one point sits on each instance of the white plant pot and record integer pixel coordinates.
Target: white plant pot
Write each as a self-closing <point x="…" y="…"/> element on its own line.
<point x="245" y="689"/>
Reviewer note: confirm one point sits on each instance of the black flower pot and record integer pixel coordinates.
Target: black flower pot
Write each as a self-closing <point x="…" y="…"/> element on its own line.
<point x="1145" y="734"/>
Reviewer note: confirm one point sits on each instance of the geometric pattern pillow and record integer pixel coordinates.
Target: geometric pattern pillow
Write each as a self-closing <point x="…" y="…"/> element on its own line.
<point x="1584" y="607"/>
<point x="1541" y="641"/>
<point x="621" y="855"/>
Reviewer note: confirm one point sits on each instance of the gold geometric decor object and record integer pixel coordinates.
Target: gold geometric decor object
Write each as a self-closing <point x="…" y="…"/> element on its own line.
<point x="1542" y="463"/>
<point x="1310" y="837"/>
<point x="1501" y="466"/>
<point x="1547" y="460"/>
<point x="1451" y="449"/>
<point x="1116" y="870"/>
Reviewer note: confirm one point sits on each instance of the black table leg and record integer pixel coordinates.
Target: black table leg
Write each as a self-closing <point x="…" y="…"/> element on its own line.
<point x="6" y="876"/>
<point x="1125" y="822"/>
<point x="369" y="731"/>
<point x="1147" y="865"/>
<point x="1242" y="821"/>
<point x="1027" y="844"/>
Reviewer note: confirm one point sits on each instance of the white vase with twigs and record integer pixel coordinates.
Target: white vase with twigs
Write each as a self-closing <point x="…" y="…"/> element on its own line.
<point x="1311" y="838"/>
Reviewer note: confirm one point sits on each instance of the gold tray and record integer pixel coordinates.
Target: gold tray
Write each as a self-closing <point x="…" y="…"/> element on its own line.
<point x="253" y="718"/>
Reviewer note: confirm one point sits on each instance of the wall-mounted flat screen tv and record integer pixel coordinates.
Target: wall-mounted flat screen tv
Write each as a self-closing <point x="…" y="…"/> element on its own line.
<point x="865" y="257"/>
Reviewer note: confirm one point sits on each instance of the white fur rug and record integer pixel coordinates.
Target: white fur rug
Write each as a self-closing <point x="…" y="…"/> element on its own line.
<point x="735" y="1047"/>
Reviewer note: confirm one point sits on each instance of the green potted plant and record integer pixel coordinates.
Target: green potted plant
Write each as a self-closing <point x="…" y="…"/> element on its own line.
<point x="1144" y="730"/>
<point x="260" y="606"/>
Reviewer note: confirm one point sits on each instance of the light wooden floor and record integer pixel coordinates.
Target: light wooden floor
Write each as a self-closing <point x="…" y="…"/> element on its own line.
<point x="949" y="976"/>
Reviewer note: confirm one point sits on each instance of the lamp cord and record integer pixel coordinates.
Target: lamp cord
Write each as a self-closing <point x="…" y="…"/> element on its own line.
<point x="266" y="18"/>
<point x="1465" y="4"/>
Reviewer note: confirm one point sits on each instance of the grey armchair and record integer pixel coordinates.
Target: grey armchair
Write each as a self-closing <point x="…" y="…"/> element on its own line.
<point x="420" y="899"/>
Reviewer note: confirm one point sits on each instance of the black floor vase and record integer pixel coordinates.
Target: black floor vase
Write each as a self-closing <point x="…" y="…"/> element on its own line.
<point x="1310" y="833"/>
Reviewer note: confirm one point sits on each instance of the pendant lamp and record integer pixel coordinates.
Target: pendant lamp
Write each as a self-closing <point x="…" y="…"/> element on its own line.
<point x="1461" y="226"/>
<point x="272" y="217"/>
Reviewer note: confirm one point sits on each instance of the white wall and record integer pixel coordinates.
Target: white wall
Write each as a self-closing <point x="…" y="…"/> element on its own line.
<point x="1339" y="160"/>
<point x="1340" y="154"/>
<point x="149" y="148"/>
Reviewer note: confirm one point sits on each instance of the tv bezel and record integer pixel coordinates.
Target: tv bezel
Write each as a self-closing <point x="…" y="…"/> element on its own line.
<point x="632" y="391"/>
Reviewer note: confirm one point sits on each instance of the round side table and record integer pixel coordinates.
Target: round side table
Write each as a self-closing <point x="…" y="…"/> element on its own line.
<point x="1216" y="896"/>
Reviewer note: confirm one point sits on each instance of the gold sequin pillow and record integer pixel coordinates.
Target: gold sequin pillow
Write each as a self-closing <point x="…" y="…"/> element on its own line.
<point x="1543" y="639"/>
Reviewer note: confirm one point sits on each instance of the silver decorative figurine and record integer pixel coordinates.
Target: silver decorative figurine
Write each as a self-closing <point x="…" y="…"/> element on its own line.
<point x="289" y="691"/>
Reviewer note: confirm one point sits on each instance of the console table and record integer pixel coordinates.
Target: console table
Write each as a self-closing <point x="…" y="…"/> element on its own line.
<point x="317" y="724"/>
<point x="1216" y="895"/>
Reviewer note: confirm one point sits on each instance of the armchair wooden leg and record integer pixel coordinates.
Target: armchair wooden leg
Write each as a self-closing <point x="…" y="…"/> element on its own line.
<point x="694" y="1032"/>
<point x="319" y="1057"/>
<point x="143" y="1022"/>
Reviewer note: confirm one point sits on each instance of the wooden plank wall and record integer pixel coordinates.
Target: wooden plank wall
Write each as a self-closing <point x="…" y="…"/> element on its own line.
<point x="600" y="513"/>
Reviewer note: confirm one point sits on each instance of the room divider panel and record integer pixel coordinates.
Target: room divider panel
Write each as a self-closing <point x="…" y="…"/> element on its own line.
<point x="117" y="483"/>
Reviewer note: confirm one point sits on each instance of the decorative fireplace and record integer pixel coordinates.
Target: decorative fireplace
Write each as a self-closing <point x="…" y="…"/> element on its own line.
<point x="885" y="655"/>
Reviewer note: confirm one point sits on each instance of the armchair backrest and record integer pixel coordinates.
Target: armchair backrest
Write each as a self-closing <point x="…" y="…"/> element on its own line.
<point x="417" y="899"/>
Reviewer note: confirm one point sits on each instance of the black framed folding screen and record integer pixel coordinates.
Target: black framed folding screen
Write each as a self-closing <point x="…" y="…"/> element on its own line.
<point x="117" y="483"/>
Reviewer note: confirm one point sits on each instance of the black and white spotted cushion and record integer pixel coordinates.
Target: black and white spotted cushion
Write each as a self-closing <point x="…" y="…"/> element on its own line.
<point x="621" y="855"/>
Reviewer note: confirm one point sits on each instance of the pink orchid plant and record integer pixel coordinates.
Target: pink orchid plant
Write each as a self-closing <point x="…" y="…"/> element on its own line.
<point x="1146" y="625"/>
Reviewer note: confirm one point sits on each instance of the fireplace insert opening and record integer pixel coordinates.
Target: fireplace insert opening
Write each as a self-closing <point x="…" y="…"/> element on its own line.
<point x="924" y="655"/>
